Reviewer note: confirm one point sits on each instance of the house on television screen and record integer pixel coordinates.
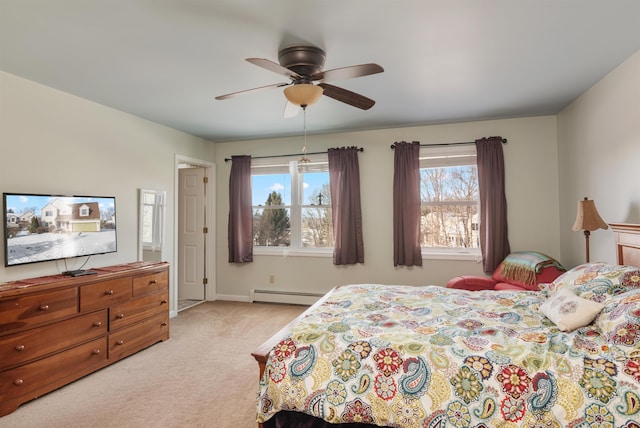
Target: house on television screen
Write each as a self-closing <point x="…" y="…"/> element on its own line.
<point x="22" y="220"/>
<point x="25" y="219"/>
<point x="12" y="218"/>
<point x="80" y="217"/>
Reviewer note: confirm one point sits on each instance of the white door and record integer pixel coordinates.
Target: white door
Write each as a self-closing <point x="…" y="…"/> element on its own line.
<point x="191" y="235"/>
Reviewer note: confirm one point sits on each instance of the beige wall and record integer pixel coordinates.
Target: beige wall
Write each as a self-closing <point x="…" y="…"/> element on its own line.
<point x="53" y="142"/>
<point x="532" y="194"/>
<point x="599" y="154"/>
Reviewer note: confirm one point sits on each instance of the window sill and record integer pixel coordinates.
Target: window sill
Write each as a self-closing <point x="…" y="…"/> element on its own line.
<point x="328" y="252"/>
<point x="449" y="255"/>
<point x="293" y="252"/>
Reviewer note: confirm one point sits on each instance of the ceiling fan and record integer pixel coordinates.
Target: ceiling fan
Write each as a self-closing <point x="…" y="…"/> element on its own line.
<point x="303" y="65"/>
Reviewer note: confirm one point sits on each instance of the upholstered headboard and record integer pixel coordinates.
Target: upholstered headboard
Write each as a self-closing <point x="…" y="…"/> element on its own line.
<point x="627" y="243"/>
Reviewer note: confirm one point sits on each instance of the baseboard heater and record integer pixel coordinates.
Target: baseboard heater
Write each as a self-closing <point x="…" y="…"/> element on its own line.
<point x="279" y="296"/>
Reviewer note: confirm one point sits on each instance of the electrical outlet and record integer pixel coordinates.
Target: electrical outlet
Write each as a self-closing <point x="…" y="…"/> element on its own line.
<point x="272" y="279"/>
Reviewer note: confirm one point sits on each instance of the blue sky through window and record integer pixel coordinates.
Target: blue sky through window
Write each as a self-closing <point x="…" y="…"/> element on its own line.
<point x="263" y="185"/>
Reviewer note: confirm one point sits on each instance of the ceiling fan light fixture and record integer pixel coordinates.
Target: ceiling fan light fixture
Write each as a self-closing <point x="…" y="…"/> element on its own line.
<point x="303" y="94"/>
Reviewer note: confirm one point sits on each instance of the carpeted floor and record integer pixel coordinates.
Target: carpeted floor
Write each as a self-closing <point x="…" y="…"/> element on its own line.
<point x="187" y="303"/>
<point x="204" y="376"/>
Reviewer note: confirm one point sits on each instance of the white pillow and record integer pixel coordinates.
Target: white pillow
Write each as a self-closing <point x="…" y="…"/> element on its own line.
<point x="569" y="311"/>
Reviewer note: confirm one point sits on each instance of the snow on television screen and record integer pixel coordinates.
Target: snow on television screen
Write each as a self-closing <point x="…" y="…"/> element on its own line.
<point x="40" y="228"/>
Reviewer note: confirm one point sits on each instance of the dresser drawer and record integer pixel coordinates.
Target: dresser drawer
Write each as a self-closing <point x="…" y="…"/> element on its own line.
<point x="138" y="336"/>
<point x="149" y="283"/>
<point x="25" y="379"/>
<point x="38" y="342"/>
<point x="135" y="310"/>
<point x="103" y="294"/>
<point x="33" y="309"/>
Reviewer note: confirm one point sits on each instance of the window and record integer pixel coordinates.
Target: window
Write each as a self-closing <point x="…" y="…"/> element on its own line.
<point x="449" y="200"/>
<point x="291" y="203"/>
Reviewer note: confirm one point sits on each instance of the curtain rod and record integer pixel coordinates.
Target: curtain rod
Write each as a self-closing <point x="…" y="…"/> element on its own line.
<point x="393" y="146"/>
<point x="360" y="149"/>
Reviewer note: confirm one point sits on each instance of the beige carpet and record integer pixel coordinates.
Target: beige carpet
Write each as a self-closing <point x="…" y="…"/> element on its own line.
<point x="204" y="376"/>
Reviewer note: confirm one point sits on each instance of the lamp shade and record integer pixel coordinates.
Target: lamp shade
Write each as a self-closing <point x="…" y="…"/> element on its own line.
<point x="303" y="94"/>
<point x="588" y="217"/>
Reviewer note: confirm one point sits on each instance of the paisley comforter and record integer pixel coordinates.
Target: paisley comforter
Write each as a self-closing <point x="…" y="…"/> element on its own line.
<point x="405" y="356"/>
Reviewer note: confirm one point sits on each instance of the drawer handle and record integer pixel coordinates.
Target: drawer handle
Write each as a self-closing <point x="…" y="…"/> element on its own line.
<point x="120" y="316"/>
<point x="120" y="342"/>
<point x="18" y="382"/>
<point x="108" y="292"/>
<point x="153" y="281"/>
<point x="19" y="347"/>
<point x="164" y="302"/>
<point x="96" y="352"/>
<point x="97" y="324"/>
<point x="44" y="307"/>
<point x="163" y="323"/>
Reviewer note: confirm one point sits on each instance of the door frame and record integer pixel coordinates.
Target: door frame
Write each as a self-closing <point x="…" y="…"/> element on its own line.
<point x="210" y="288"/>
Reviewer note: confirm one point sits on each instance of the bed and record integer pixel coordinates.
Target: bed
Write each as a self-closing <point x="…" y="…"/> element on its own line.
<point x="370" y="355"/>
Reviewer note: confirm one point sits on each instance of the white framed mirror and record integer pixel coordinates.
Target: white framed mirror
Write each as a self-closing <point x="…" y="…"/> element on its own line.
<point x="151" y="224"/>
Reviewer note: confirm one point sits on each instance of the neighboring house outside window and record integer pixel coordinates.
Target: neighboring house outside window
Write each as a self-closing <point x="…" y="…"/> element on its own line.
<point x="449" y="202"/>
<point x="291" y="206"/>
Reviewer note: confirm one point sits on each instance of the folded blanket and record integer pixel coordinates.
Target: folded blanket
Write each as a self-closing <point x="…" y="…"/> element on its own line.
<point x="522" y="266"/>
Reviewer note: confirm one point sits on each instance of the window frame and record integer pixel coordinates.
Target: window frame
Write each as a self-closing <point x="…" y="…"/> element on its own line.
<point x="439" y="157"/>
<point x="297" y="204"/>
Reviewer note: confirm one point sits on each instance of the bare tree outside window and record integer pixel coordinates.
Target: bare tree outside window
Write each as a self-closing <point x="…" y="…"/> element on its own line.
<point x="449" y="207"/>
<point x="317" y="227"/>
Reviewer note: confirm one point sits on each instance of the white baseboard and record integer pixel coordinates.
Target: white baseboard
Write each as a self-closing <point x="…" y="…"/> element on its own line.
<point x="283" y="296"/>
<point x="233" y="298"/>
<point x="262" y="296"/>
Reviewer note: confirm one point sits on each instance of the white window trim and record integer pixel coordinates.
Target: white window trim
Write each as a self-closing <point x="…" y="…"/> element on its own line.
<point x="293" y="252"/>
<point x="453" y="254"/>
<point x="451" y="156"/>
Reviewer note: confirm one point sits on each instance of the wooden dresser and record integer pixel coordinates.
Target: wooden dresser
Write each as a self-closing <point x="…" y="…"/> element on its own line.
<point x="56" y="329"/>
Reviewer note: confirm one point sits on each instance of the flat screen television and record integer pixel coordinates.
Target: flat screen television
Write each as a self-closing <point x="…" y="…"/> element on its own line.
<point x="40" y="228"/>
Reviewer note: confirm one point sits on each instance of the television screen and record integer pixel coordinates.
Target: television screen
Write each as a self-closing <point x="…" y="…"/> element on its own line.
<point x="42" y="228"/>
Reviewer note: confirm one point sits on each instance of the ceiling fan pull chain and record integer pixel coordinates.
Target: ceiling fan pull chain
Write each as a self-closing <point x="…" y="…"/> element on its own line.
<point x="304" y="158"/>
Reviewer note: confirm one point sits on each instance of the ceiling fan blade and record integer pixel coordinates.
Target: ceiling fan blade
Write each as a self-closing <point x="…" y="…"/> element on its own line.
<point x="348" y="72"/>
<point x="291" y="110"/>
<point x="249" y="91"/>
<point x="272" y="66"/>
<point x="347" y="97"/>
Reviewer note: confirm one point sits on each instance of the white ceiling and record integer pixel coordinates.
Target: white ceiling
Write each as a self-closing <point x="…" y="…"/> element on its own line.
<point x="444" y="60"/>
